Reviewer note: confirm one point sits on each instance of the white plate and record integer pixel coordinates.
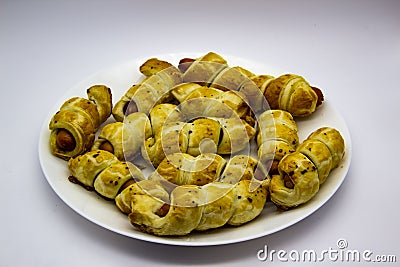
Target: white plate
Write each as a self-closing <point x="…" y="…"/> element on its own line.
<point x="105" y="213"/>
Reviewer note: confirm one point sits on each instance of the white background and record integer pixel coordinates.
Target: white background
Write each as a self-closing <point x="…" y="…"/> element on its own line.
<point x="350" y="49"/>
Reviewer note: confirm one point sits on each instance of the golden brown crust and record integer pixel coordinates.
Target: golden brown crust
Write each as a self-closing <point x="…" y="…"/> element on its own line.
<point x="201" y="190"/>
<point x="201" y="101"/>
<point x="143" y="187"/>
<point x="202" y="135"/>
<point x="86" y="167"/>
<point x="244" y="71"/>
<point x="103" y="172"/>
<point x="126" y="138"/>
<point x="302" y="172"/>
<point x="204" y="69"/>
<point x="102" y="97"/>
<point x="333" y="140"/>
<point x="303" y="178"/>
<point x="236" y="135"/>
<point x="171" y="138"/>
<point x="80" y="118"/>
<point x="195" y="207"/>
<point x="112" y="134"/>
<point x="242" y="167"/>
<point x="273" y="91"/>
<point x="152" y="90"/>
<point x="229" y="79"/>
<point x="289" y="92"/>
<point x="165" y="113"/>
<point x="110" y="180"/>
<point x="153" y="66"/>
<point x="250" y="198"/>
<point x="182" y="90"/>
<point x="262" y="81"/>
<point x="277" y="136"/>
<point x="320" y="156"/>
<point x="182" y="168"/>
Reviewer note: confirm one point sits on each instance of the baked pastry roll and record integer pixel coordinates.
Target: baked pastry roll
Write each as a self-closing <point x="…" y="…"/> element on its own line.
<point x="320" y="156"/>
<point x="182" y="168"/>
<point x="201" y="101"/>
<point x="125" y="139"/>
<point x="213" y="71"/>
<point x="203" y="135"/>
<point x="235" y="79"/>
<point x="325" y="147"/>
<point x="192" y="207"/>
<point x="109" y="181"/>
<point x="204" y="69"/>
<point x="153" y="66"/>
<point x="74" y="126"/>
<point x="182" y="90"/>
<point x="242" y="167"/>
<point x="277" y="136"/>
<point x="153" y="189"/>
<point x="171" y="138"/>
<point x="165" y="113"/>
<point x="289" y="92"/>
<point x="218" y="209"/>
<point x="312" y="163"/>
<point x="235" y="135"/>
<point x="244" y="71"/>
<point x="101" y="171"/>
<point x="143" y="96"/>
<point x="333" y="140"/>
<point x="296" y="183"/>
<point x="262" y="81"/>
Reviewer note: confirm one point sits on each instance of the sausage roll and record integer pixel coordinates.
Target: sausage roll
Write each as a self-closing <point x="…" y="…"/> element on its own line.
<point x="182" y="168"/>
<point x="125" y="139"/>
<point x="289" y="92"/>
<point x="242" y="167"/>
<point x="203" y="135"/>
<point x="153" y="89"/>
<point x="192" y="207"/>
<point x="296" y="183"/>
<point x="201" y="101"/>
<point x="74" y="126"/>
<point x="204" y="69"/>
<point x="302" y="172"/>
<point x="333" y="140"/>
<point x="234" y="79"/>
<point x="277" y="136"/>
<point x="101" y="171"/>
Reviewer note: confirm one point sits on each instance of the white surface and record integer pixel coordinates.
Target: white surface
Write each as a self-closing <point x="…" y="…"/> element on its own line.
<point x="350" y="49"/>
<point x="95" y="209"/>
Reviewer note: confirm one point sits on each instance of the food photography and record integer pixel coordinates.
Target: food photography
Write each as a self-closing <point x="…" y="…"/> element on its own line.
<point x="185" y="133"/>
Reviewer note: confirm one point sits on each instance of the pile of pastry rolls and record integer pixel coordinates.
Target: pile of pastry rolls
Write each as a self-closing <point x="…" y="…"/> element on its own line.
<point x="193" y="126"/>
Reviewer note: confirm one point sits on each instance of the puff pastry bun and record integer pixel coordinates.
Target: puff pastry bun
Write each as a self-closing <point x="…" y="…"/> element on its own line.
<point x="289" y="92"/>
<point x="277" y="136"/>
<point x="212" y="70"/>
<point x="192" y="208"/>
<point x="203" y="135"/>
<point x="101" y="171"/>
<point x="74" y="126"/>
<point x="142" y="97"/>
<point x="302" y="172"/>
